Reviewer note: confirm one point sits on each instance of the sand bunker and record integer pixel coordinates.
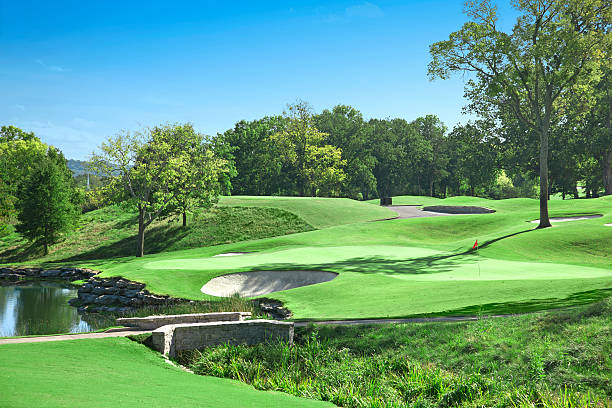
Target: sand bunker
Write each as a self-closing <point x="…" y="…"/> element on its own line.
<point x="608" y="225"/>
<point x="458" y="209"/>
<point x="248" y="284"/>
<point x="575" y="218"/>
<point x="232" y="254"/>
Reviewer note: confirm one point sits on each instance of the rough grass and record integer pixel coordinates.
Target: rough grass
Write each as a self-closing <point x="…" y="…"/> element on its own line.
<point x="116" y="372"/>
<point x="111" y="232"/>
<point x="553" y="359"/>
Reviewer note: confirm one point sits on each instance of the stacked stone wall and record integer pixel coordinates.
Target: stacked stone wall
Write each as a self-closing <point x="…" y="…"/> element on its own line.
<point x="172" y="339"/>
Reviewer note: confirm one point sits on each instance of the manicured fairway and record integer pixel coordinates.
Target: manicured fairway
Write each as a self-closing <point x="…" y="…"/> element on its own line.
<point x="116" y="373"/>
<point x="318" y="212"/>
<point x="399" y="268"/>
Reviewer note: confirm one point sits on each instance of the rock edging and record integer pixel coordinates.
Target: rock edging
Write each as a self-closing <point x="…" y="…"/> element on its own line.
<point x="18" y="273"/>
<point x="116" y="295"/>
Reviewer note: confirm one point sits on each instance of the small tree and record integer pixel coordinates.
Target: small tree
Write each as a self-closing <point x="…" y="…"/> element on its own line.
<point x="48" y="205"/>
<point x="159" y="171"/>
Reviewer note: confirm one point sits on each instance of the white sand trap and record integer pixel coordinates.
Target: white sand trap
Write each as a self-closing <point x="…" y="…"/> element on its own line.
<point x="248" y="284"/>
<point x="608" y="225"/>
<point x="232" y="254"/>
<point x="564" y="219"/>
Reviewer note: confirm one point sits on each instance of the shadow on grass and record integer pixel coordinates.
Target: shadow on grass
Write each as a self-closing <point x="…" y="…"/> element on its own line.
<point x="413" y="266"/>
<point x="157" y="239"/>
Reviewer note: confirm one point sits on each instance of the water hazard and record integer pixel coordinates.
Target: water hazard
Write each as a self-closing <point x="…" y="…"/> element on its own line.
<point x="39" y="308"/>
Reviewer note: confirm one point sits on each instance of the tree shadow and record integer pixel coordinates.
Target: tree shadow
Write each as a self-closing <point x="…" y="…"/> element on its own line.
<point x="438" y="263"/>
<point x="157" y="239"/>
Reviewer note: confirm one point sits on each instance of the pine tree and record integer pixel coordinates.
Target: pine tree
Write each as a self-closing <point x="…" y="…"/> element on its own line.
<point x="47" y="209"/>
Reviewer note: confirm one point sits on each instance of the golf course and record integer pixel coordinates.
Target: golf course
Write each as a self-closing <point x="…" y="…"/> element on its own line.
<point x="385" y="267"/>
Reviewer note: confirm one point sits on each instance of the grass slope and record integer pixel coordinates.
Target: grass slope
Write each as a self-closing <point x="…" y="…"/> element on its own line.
<point x="111" y="232"/>
<point x="116" y="372"/>
<point x="387" y="267"/>
<point x="318" y="212"/>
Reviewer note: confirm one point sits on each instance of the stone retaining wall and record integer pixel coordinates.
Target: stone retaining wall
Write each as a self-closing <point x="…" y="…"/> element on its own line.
<point x="154" y="322"/>
<point x="116" y="295"/>
<point x="172" y="339"/>
<point x="17" y="273"/>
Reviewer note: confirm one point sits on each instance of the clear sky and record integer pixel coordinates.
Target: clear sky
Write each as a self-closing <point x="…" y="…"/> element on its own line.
<point x="76" y="72"/>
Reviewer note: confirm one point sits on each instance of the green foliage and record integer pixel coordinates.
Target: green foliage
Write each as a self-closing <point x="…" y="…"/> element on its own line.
<point x="318" y="167"/>
<point x="49" y="204"/>
<point x="166" y="169"/>
<point x="11" y="133"/>
<point x="524" y="76"/>
<point x="553" y="359"/>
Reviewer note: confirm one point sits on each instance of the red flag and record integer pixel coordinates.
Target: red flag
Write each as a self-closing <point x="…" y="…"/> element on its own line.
<point x="475" y="245"/>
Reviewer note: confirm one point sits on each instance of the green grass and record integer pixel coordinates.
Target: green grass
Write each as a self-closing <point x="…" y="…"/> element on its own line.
<point x="552" y="359"/>
<point x="386" y="267"/>
<point x="111" y="232"/>
<point x="318" y="212"/>
<point x="116" y="372"/>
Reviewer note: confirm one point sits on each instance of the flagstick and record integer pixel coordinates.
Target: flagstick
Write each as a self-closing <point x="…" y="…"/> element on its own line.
<point x="477" y="263"/>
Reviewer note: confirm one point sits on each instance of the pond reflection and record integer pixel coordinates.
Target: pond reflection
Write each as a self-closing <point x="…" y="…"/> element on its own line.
<point x="39" y="308"/>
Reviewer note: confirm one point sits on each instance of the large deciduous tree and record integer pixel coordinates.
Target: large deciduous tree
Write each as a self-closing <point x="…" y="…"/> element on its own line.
<point x="162" y="170"/>
<point x="551" y="48"/>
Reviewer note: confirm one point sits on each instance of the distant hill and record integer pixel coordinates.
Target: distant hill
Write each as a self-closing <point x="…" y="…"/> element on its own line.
<point x="77" y="167"/>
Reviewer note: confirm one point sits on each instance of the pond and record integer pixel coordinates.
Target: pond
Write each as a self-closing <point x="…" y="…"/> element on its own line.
<point x="40" y="308"/>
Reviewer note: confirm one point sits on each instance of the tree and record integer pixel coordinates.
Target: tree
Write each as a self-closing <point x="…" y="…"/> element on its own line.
<point x="201" y="178"/>
<point x="306" y="152"/>
<point x="432" y="131"/>
<point x="473" y="156"/>
<point x="19" y="152"/>
<point x="48" y="206"/>
<point x="347" y="131"/>
<point x="551" y="47"/>
<point x="258" y="165"/>
<point x="155" y="169"/>
<point x="11" y="133"/>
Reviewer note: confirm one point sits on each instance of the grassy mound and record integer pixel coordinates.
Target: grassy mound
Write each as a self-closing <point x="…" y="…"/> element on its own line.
<point x="554" y="359"/>
<point x="387" y="267"/>
<point x="111" y="232"/>
<point x="116" y="372"/>
<point x="318" y="212"/>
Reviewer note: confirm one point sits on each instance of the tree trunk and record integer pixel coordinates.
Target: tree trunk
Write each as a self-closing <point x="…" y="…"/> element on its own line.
<point x="607" y="173"/>
<point x="141" y="231"/>
<point x="544" y="220"/>
<point x="184" y="219"/>
<point x="431" y="188"/>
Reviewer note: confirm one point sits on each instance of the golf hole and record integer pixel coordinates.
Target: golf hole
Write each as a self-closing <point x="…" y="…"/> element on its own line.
<point x="574" y="218"/>
<point x="247" y="284"/>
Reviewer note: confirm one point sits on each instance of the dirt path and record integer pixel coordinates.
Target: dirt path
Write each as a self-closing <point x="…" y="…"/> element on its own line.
<point x="109" y="333"/>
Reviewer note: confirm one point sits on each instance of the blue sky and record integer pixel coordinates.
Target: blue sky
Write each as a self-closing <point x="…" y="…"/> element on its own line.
<point x="76" y="72"/>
